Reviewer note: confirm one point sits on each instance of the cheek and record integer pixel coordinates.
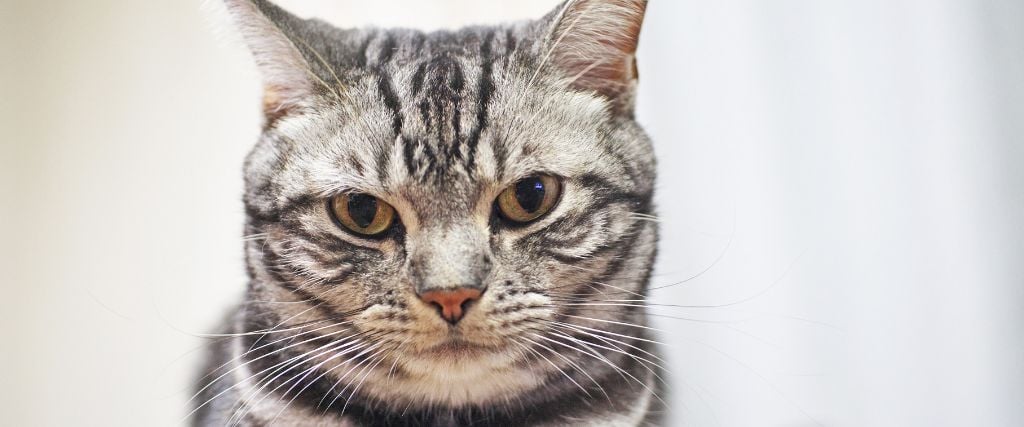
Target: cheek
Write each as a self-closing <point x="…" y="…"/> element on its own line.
<point x="375" y="279"/>
<point x="519" y="269"/>
<point x="560" y="280"/>
<point x="383" y="279"/>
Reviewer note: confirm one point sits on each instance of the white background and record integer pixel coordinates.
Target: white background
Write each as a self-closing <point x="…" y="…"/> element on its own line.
<point x="841" y="178"/>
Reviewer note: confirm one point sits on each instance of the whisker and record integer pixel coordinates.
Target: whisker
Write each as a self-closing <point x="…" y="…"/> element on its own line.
<point x="329" y="391"/>
<point x="246" y="379"/>
<point x="615" y="349"/>
<point x="285" y="321"/>
<point x="564" y="325"/>
<point x="553" y="365"/>
<point x="254" y="237"/>
<point x="634" y="325"/>
<point x="360" y="383"/>
<point x="571" y="363"/>
<point x="240" y="356"/>
<point x="286" y="367"/>
<point x="300" y="380"/>
<point x="613" y="366"/>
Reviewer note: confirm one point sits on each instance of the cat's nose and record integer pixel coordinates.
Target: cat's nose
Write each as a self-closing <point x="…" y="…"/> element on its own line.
<point x="451" y="303"/>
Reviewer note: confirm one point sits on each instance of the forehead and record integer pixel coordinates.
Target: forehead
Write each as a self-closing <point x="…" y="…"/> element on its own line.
<point x="444" y="111"/>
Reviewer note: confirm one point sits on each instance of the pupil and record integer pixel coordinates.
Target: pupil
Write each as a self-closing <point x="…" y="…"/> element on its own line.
<point x="530" y="194"/>
<point x="362" y="208"/>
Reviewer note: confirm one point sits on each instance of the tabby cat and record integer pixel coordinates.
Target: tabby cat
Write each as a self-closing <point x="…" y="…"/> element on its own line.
<point x="443" y="228"/>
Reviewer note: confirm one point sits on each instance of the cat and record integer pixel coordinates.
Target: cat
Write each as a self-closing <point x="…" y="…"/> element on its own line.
<point x="444" y="228"/>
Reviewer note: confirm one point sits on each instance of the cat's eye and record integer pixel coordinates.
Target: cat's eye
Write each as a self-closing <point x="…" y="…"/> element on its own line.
<point x="529" y="198"/>
<point x="362" y="213"/>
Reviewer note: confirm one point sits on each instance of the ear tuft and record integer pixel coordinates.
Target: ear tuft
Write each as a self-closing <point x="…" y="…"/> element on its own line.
<point x="288" y="82"/>
<point x="593" y="42"/>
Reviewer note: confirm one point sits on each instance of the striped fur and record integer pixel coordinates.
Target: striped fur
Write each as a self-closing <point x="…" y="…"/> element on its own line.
<point x="437" y="124"/>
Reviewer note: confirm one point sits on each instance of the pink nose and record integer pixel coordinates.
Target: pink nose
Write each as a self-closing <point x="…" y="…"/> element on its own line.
<point x="451" y="302"/>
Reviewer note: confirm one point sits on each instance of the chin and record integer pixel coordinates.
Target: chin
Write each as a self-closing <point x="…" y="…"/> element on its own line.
<point x="455" y="373"/>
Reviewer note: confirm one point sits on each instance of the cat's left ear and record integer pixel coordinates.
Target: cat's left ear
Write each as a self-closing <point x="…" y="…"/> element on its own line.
<point x="287" y="64"/>
<point x="593" y="43"/>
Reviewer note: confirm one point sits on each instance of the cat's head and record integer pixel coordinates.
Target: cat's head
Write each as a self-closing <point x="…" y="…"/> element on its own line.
<point x="459" y="206"/>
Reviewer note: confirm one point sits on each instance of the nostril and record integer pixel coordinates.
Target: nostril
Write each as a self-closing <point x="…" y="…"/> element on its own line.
<point x="438" y="306"/>
<point x="466" y="304"/>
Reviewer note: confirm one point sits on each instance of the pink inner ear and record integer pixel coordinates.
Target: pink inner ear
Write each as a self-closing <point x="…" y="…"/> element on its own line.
<point x="279" y="101"/>
<point x="596" y="43"/>
<point x="286" y="75"/>
<point x="273" y="108"/>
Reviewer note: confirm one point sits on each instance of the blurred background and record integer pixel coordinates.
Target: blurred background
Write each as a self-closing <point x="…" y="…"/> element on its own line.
<point x="841" y="191"/>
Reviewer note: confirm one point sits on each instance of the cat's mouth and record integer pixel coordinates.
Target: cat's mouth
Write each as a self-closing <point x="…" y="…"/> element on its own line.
<point x="459" y="347"/>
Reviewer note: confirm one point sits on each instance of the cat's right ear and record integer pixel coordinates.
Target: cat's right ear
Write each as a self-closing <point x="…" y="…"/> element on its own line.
<point x="593" y="43"/>
<point x="289" y="84"/>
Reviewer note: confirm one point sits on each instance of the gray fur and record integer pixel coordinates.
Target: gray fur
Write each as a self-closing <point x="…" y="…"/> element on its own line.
<point x="437" y="124"/>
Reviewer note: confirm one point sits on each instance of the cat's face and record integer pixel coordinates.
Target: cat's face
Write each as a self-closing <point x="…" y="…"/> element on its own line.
<point x="451" y="205"/>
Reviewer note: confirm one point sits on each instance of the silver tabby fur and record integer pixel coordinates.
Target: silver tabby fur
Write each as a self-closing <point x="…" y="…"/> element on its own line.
<point x="437" y="124"/>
